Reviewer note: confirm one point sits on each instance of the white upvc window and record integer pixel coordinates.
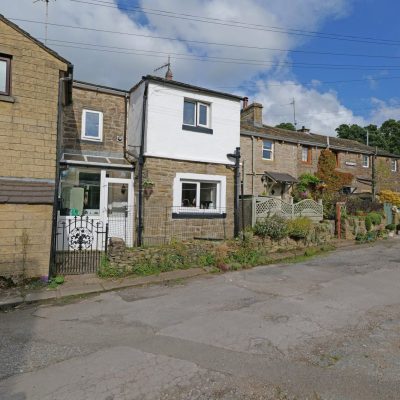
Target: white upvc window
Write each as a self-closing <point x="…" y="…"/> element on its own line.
<point x="92" y="125"/>
<point x="199" y="192"/>
<point x="365" y="162"/>
<point x="393" y="165"/>
<point x="196" y="113"/>
<point x="268" y="150"/>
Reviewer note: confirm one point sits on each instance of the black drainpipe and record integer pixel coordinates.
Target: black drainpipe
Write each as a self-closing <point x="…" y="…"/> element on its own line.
<point x="140" y="169"/>
<point x="236" y="218"/>
<point x="57" y="177"/>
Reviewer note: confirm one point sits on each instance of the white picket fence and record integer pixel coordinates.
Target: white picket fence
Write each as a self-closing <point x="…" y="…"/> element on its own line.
<point x="267" y="206"/>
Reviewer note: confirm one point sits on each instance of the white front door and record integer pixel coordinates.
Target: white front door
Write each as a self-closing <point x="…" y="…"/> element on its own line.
<point x="117" y="207"/>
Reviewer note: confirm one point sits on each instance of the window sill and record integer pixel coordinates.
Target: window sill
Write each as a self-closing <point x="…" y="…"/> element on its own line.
<point x="198" y="215"/>
<point x="197" y="129"/>
<point x="91" y="140"/>
<point x="7" y="99"/>
<point x="268" y="159"/>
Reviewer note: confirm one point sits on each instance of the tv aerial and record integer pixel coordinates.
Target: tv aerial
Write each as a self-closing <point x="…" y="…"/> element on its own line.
<point x="47" y="17"/>
<point x="168" y="74"/>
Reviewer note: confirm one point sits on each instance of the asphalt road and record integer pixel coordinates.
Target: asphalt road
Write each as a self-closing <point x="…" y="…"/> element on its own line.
<point x="328" y="328"/>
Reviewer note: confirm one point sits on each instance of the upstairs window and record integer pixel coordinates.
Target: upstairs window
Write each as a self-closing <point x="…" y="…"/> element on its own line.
<point x="393" y="165"/>
<point x="306" y="154"/>
<point x="196" y="114"/>
<point x="268" y="150"/>
<point x="5" y="75"/>
<point x="365" y="161"/>
<point x="92" y="125"/>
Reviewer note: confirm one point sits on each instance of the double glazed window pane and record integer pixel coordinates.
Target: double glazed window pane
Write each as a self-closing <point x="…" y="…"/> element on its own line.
<point x="199" y="194"/>
<point x="92" y="124"/>
<point x="208" y="195"/>
<point x="304" y="154"/>
<point x="189" y="113"/>
<point x="202" y="114"/>
<point x="267" y="150"/>
<point x="189" y="194"/>
<point x="3" y="76"/>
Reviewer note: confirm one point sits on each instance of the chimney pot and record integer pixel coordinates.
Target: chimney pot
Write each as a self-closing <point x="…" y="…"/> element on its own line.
<point x="245" y="102"/>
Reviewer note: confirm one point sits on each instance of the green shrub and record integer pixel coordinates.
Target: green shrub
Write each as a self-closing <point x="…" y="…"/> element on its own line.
<point x="368" y="223"/>
<point x="59" y="280"/>
<point x="299" y="228"/>
<point x="207" y="260"/>
<point x="375" y="217"/>
<point x="274" y="227"/>
<point x="246" y="255"/>
<point x="391" y="227"/>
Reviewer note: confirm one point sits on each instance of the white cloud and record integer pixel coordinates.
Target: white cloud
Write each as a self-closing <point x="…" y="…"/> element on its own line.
<point x="385" y="110"/>
<point x="321" y="112"/>
<point x="124" y="70"/>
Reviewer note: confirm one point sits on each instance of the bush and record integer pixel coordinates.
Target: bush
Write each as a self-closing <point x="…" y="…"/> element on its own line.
<point x="389" y="196"/>
<point x="375" y="217"/>
<point x="368" y="223"/>
<point x="299" y="228"/>
<point x="274" y="227"/>
<point x="390" y="227"/>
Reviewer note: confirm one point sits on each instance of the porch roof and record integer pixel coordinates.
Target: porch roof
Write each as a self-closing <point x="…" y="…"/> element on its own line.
<point x="96" y="161"/>
<point x="280" y="177"/>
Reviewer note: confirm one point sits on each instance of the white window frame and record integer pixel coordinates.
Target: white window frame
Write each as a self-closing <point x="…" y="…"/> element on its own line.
<point x="180" y="178"/>
<point x="365" y="158"/>
<point x="272" y="150"/>
<point x="393" y="163"/>
<point x="83" y="127"/>
<point x="197" y="104"/>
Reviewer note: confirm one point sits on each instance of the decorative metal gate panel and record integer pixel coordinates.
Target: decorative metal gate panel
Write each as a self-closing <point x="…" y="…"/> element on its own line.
<point x="81" y="242"/>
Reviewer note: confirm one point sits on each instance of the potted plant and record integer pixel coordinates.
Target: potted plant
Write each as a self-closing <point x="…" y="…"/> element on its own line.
<point x="148" y="186"/>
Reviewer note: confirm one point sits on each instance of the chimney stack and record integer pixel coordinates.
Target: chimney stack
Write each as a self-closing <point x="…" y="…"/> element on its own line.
<point x="304" y="129"/>
<point x="252" y="113"/>
<point x="169" y="75"/>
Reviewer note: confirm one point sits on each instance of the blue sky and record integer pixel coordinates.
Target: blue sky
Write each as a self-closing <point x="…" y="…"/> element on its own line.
<point x="319" y="106"/>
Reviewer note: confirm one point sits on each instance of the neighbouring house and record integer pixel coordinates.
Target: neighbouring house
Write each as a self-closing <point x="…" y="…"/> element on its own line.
<point x="182" y="138"/>
<point x="96" y="180"/>
<point x="29" y="96"/>
<point x="274" y="158"/>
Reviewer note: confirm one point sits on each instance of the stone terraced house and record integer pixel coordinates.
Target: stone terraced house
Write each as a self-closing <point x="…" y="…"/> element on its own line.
<point x="29" y="95"/>
<point x="274" y="158"/>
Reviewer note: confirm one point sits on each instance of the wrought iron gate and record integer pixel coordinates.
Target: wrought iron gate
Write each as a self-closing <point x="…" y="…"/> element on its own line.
<point x="81" y="242"/>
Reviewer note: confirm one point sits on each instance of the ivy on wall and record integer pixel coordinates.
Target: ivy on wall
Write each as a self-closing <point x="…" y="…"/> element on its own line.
<point x="334" y="180"/>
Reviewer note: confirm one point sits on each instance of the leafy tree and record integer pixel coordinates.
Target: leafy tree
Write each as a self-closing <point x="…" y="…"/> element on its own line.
<point x="387" y="137"/>
<point x="286" y="125"/>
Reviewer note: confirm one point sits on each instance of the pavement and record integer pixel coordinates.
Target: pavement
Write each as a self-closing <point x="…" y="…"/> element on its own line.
<point x="327" y="328"/>
<point x="78" y="285"/>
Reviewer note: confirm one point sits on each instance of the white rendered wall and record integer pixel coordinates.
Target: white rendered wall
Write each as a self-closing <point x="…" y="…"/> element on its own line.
<point x="165" y="137"/>
<point x="134" y="128"/>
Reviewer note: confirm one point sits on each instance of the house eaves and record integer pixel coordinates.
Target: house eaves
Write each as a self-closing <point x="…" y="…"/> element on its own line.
<point x="99" y="88"/>
<point x="181" y="85"/>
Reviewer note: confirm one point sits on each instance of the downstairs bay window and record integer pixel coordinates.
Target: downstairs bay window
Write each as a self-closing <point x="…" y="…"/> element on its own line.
<point x="198" y="195"/>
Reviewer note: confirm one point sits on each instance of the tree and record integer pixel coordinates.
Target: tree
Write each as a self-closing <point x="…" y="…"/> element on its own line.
<point x="286" y="125"/>
<point x="387" y="137"/>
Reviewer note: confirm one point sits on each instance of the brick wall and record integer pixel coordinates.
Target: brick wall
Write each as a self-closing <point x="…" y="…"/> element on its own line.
<point x="28" y="126"/>
<point x="25" y="232"/>
<point x="113" y="108"/>
<point x="157" y="212"/>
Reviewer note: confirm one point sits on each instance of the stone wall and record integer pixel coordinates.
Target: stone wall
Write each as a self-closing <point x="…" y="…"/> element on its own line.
<point x="113" y="108"/>
<point x="25" y="232"/>
<point x="385" y="177"/>
<point x="288" y="159"/>
<point x="159" y="226"/>
<point x="28" y="118"/>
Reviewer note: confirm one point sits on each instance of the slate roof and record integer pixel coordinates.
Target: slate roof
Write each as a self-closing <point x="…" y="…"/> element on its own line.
<point x="280" y="177"/>
<point x="312" y="139"/>
<point x="21" y="191"/>
<point x="169" y="82"/>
